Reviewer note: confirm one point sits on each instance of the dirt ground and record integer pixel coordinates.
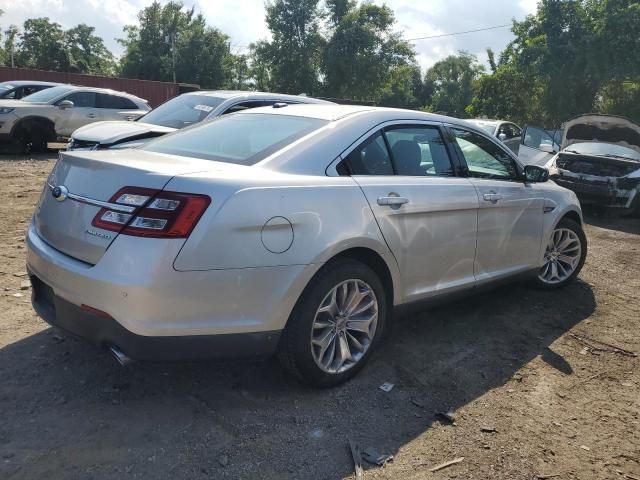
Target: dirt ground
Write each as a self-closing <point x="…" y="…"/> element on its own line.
<point x="503" y="361"/>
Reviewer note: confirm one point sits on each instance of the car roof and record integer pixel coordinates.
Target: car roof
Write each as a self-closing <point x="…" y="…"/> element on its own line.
<point x="249" y="95"/>
<point x="20" y="83"/>
<point x="332" y="112"/>
<point x="102" y="90"/>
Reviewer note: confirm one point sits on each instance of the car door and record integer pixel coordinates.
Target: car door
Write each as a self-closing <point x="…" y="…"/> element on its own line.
<point x="115" y="107"/>
<point x="510" y="214"/>
<point x="532" y="151"/>
<point x="427" y="215"/>
<point x="83" y="112"/>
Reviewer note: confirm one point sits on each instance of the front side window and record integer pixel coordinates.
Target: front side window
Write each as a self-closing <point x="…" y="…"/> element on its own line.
<point x="534" y="137"/>
<point x="238" y="107"/>
<point x="82" y="99"/>
<point x="244" y="138"/>
<point x="484" y="158"/>
<point x="419" y="151"/>
<point x="369" y="158"/>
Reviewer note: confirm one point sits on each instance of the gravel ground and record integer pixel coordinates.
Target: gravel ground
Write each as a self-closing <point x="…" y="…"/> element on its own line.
<point x="503" y="361"/>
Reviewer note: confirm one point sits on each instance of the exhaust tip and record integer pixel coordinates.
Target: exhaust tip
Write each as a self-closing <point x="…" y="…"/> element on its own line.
<point x="120" y="356"/>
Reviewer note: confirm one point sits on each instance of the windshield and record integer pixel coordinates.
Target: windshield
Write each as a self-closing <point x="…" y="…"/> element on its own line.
<point x="603" y="149"/>
<point x="182" y="111"/>
<point x="240" y="138"/>
<point x="486" y="126"/>
<point x="46" y="95"/>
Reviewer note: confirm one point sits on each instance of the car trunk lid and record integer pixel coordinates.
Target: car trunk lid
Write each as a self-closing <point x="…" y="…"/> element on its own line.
<point x="90" y="179"/>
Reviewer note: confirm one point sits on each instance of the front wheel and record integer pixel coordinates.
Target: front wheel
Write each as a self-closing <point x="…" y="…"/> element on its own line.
<point x="564" y="256"/>
<point x="336" y="324"/>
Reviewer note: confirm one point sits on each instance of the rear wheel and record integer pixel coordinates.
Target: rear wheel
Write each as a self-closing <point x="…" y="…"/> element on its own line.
<point x="336" y="324"/>
<point x="564" y="256"/>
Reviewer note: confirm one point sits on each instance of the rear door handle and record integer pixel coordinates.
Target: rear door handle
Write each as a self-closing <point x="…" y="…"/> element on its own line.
<point x="492" y="197"/>
<point x="91" y="115"/>
<point x="392" y="201"/>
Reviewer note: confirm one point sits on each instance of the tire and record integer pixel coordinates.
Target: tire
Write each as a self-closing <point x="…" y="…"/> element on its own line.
<point x="297" y="352"/>
<point x="560" y="236"/>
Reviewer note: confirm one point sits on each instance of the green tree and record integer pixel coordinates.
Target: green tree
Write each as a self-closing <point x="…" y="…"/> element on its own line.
<point x="42" y="46"/>
<point x="363" y="53"/>
<point x="292" y="58"/>
<point x="450" y="83"/>
<point x="168" y="31"/>
<point x="86" y="52"/>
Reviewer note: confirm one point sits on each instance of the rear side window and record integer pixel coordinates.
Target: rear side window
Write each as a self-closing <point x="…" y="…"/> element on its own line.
<point x="115" y="102"/>
<point x="419" y="151"/>
<point x="370" y="158"/>
<point x="238" y="107"/>
<point x="244" y="139"/>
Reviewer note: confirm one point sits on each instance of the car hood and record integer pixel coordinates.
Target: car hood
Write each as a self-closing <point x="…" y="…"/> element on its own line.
<point x="603" y="129"/>
<point x="118" y="131"/>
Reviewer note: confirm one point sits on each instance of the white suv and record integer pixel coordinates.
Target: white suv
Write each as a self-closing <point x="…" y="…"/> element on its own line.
<point x="45" y="116"/>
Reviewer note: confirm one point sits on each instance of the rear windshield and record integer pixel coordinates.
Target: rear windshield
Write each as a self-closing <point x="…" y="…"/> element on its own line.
<point x="46" y="95"/>
<point x="182" y="111"/>
<point x="239" y="138"/>
<point x="5" y="86"/>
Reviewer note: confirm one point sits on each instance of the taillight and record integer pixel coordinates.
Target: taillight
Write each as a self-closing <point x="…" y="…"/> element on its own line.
<point x="158" y="214"/>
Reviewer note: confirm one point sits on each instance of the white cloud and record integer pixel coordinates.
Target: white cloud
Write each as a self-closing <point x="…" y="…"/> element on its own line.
<point x="244" y="22"/>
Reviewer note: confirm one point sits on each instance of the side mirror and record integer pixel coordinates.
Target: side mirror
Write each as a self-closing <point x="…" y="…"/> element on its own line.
<point x="546" y="147"/>
<point x="64" y="104"/>
<point x="502" y="137"/>
<point x="535" y="174"/>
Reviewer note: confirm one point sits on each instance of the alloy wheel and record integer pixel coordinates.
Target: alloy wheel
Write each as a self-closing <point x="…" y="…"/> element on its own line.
<point x="344" y="326"/>
<point x="561" y="257"/>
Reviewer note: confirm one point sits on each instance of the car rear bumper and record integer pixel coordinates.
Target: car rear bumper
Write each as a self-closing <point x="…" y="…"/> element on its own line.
<point x="104" y="332"/>
<point x="150" y="309"/>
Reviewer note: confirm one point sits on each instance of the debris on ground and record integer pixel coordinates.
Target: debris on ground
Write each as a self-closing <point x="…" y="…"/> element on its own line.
<point x="488" y="429"/>
<point x="599" y="346"/>
<point x="372" y="456"/>
<point x="448" y="417"/>
<point x="548" y="475"/>
<point x="386" y="387"/>
<point x="25" y="285"/>
<point x="584" y="447"/>
<point x="223" y="460"/>
<point x="18" y="295"/>
<point x="357" y="459"/>
<point x="417" y="402"/>
<point x="446" y="464"/>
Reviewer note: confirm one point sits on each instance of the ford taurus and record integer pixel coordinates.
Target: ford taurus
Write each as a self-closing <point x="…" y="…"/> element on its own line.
<point x="293" y="230"/>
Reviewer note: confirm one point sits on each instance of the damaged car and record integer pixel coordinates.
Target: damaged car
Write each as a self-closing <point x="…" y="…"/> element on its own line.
<point x="598" y="158"/>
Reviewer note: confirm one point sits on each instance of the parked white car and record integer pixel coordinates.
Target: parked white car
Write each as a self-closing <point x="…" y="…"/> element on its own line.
<point x="507" y="132"/>
<point x="598" y="159"/>
<point x="293" y="229"/>
<point x="179" y="112"/>
<point x="54" y="113"/>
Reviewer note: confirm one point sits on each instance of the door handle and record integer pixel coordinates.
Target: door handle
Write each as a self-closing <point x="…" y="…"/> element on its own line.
<point x="492" y="197"/>
<point x="91" y="115"/>
<point x="392" y="201"/>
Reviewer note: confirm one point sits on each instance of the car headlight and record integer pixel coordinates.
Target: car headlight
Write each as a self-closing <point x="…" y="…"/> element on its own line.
<point x="6" y="110"/>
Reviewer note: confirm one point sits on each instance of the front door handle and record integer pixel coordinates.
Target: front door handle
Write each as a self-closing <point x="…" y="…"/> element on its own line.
<point x="492" y="197"/>
<point x="392" y="201"/>
<point x="91" y="115"/>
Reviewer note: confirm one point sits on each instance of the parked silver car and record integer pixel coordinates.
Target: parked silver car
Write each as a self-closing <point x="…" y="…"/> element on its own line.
<point x="293" y="229"/>
<point x="17" y="89"/>
<point x="56" y="112"/>
<point x="179" y="112"/>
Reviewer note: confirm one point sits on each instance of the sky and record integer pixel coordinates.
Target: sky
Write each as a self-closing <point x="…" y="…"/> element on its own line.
<point x="243" y="20"/>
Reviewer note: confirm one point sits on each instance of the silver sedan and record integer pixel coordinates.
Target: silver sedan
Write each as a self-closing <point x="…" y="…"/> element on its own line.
<point x="293" y="230"/>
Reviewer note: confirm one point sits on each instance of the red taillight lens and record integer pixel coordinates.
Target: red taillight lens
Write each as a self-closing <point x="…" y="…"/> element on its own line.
<point x="158" y="214"/>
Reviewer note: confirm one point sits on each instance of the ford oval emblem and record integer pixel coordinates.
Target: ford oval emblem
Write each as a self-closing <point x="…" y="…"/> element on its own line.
<point x="60" y="193"/>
